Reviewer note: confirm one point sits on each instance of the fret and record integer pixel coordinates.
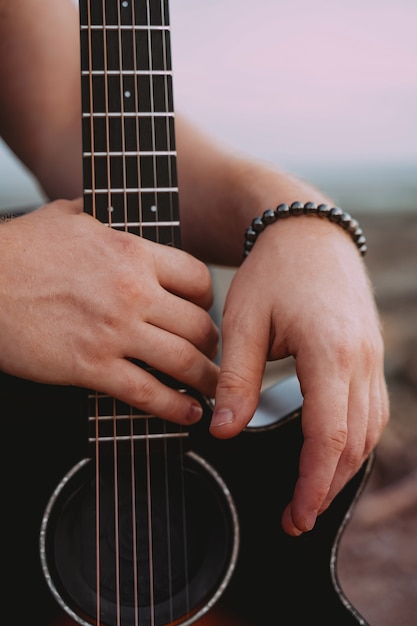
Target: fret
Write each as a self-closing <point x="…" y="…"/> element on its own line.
<point x="128" y="153"/>
<point x="127" y="73"/>
<point x="128" y="438"/>
<point x="106" y="190"/>
<point x="153" y="114"/>
<point x="106" y="27"/>
<point x="144" y="225"/>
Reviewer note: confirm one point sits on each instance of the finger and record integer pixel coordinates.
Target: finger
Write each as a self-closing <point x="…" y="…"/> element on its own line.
<point x="324" y="420"/>
<point x="241" y="371"/>
<point x="367" y="416"/>
<point x="353" y="454"/>
<point x="184" y="275"/>
<point x="187" y="320"/>
<point x="175" y="357"/>
<point x="139" y="388"/>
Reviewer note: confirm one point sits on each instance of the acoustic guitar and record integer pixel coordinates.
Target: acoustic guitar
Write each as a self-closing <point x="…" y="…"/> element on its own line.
<point x="147" y="523"/>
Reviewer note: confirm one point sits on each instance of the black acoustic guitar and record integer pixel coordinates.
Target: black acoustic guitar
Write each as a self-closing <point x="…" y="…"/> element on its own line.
<point x="149" y="523"/>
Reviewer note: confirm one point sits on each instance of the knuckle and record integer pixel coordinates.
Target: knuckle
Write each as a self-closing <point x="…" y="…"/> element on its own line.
<point x="345" y="352"/>
<point x="176" y="410"/>
<point x="144" y="392"/>
<point x="233" y="380"/>
<point x="127" y="288"/>
<point x="186" y="358"/>
<point x="233" y="384"/>
<point x="372" y="350"/>
<point x="353" y="456"/>
<point x="338" y="439"/>
<point x="349" y="344"/>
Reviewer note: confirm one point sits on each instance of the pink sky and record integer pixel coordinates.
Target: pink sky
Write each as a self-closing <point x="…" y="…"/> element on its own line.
<point x="333" y="79"/>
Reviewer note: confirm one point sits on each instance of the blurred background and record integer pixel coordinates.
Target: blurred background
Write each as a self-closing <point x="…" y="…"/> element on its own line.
<point x="328" y="90"/>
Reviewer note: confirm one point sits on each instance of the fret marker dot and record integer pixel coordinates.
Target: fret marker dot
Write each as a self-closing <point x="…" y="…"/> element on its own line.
<point x="110" y="209"/>
<point x="153" y="208"/>
<point x="127" y="94"/>
<point x="125" y="4"/>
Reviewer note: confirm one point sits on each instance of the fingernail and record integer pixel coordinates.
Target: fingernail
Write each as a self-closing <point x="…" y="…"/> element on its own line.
<point x="194" y="414"/>
<point x="310" y="520"/>
<point x="222" y="417"/>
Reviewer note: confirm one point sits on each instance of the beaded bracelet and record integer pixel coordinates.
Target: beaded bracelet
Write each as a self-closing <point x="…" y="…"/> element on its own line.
<point x="336" y="215"/>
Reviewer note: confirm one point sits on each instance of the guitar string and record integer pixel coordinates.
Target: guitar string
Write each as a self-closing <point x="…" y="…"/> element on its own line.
<point x="94" y="213"/>
<point x="148" y="455"/>
<point x="167" y="58"/>
<point x="124" y="93"/>
<point x="135" y="564"/>
<point x="163" y="33"/>
<point x="109" y="210"/>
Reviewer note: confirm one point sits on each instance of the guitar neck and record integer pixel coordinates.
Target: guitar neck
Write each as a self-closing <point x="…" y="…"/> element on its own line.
<point x="129" y="154"/>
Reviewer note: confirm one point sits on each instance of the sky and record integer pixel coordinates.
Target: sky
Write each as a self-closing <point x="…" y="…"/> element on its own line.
<point x="322" y="84"/>
<point x="329" y="81"/>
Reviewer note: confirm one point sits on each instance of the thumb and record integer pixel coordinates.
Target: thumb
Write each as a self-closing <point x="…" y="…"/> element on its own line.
<point x="238" y="389"/>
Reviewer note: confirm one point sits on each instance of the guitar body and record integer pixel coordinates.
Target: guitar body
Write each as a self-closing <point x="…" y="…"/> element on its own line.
<point x="45" y="430"/>
<point x="133" y="521"/>
<point x="274" y="576"/>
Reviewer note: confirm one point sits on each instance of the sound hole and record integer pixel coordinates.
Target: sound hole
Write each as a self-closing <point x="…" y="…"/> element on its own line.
<point x="163" y="552"/>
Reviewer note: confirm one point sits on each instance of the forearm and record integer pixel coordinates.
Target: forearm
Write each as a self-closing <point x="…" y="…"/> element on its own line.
<point x="40" y="90"/>
<point x="221" y="193"/>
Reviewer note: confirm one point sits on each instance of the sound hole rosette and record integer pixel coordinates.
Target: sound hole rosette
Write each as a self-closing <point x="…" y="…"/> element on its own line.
<point x="68" y="555"/>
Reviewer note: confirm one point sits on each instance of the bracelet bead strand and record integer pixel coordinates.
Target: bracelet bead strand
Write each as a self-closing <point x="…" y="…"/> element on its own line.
<point x="333" y="214"/>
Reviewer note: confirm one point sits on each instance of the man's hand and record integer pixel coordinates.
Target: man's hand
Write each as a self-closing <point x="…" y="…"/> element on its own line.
<point x="79" y="301"/>
<point x="303" y="291"/>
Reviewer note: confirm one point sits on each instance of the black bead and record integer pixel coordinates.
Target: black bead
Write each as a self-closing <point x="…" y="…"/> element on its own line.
<point x="345" y="220"/>
<point x="335" y="214"/>
<point x="269" y="216"/>
<point x="250" y="234"/>
<point x="258" y="225"/>
<point x="310" y="208"/>
<point x="353" y="226"/>
<point x="282" y="210"/>
<point x="297" y="208"/>
<point x="357" y="234"/>
<point x="323" y="210"/>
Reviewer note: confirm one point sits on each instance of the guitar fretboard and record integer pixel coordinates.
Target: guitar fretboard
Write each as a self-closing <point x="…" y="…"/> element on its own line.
<point x="129" y="154"/>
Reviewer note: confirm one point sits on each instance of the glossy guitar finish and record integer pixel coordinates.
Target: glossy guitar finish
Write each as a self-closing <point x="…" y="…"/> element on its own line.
<point x="154" y="524"/>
